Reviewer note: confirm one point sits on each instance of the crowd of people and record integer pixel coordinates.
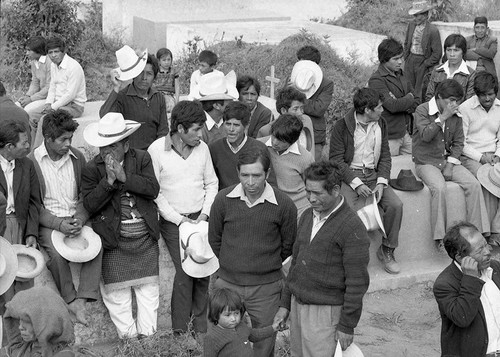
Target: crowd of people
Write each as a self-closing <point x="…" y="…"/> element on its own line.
<point x="235" y="193"/>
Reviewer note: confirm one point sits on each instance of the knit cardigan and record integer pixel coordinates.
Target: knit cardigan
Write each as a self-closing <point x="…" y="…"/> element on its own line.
<point x="332" y="268"/>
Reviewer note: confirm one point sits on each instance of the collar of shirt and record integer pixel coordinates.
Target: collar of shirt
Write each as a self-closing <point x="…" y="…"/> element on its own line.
<point x="267" y="195"/>
<point x="475" y="103"/>
<point x="6" y="165"/>
<point x="41" y="152"/>
<point x="64" y="62"/>
<point x="446" y="68"/>
<point x="361" y="125"/>
<point x="238" y="148"/>
<point x="317" y="215"/>
<point x="211" y="122"/>
<point x="132" y="91"/>
<point x="292" y="149"/>
<point x="40" y="60"/>
<point x="433" y="108"/>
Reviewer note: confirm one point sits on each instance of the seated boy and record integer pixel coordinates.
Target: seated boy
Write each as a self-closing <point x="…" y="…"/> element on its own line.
<point x="207" y="60"/>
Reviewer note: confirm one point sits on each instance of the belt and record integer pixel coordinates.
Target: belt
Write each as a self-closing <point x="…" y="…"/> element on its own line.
<point x="416" y="54"/>
<point x="494" y="354"/>
<point x="364" y="170"/>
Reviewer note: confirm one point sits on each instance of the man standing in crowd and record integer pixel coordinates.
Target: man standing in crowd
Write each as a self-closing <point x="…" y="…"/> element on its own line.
<point x="252" y="229"/>
<point x="399" y="101"/>
<point x="481" y="47"/>
<point x="249" y="92"/>
<point x="188" y="186"/>
<point x="326" y="283"/>
<point x="468" y="295"/>
<point x="360" y="148"/>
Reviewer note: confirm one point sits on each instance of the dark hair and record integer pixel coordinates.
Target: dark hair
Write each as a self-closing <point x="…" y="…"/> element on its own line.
<point x="287" y="128"/>
<point x="484" y="82"/>
<point x="164" y="52"/>
<point x="326" y="171"/>
<point x="208" y="105"/>
<point x="449" y="88"/>
<point x="9" y="132"/>
<point x="286" y="96"/>
<point x="237" y="110"/>
<point x="56" y="123"/>
<point x="154" y="63"/>
<point x="481" y="20"/>
<point x="366" y="98"/>
<point x="55" y="42"/>
<point x="244" y="82"/>
<point x="187" y="113"/>
<point x="388" y="48"/>
<point x="310" y="53"/>
<point x="221" y="298"/>
<point x="254" y="154"/>
<point x="208" y="56"/>
<point x="454" y="240"/>
<point x="37" y="44"/>
<point x="457" y="40"/>
<point x="2" y="90"/>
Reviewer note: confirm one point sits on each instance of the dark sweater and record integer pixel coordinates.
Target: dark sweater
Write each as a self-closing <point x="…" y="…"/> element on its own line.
<point x="332" y="269"/>
<point x="228" y="342"/>
<point x="251" y="243"/>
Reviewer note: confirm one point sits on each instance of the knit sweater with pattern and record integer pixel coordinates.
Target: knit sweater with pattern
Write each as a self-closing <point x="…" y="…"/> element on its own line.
<point x="251" y="242"/>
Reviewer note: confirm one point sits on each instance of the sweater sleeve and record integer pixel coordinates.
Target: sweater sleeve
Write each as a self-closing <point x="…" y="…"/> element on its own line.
<point x="288" y="229"/>
<point x="210" y="183"/>
<point x="216" y="222"/>
<point x="211" y="347"/>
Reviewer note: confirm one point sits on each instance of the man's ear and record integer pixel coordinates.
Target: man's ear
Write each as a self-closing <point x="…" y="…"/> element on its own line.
<point x="283" y="110"/>
<point x="268" y="173"/>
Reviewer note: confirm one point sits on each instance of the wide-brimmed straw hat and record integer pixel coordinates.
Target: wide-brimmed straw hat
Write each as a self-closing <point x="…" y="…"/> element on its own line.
<point x="8" y="265"/>
<point x="30" y="262"/>
<point x="370" y="216"/>
<point x="130" y="64"/>
<point x="306" y="77"/>
<point x="80" y="249"/>
<point x="217" y="86"/>
<point x="110" y="129"/>
<point x="197" y="257"/>
<point x="406" y="181"/>
<point x="489" y="176"/>
<point x="419" y="6"/>
<point x="351" y="351"/>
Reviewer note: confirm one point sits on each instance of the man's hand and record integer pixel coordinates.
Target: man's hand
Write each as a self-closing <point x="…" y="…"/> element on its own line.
<point x="280" y="319"/>
<point x="187" y="219"/>
<point x="110" y="173"/>
<point x="30" y="242"/>
<point x="119" y="171"/>
<point x="379" y="191"/>
<point x="496" y="159"/>
<point x="448" y="171"/>
<point x="47" y="108"/>
<point x="24" y="101"/>
<point x="345" y="339"/>
<point x="449" y="110"/>
<point x="487" y="158"/>
<point x="363" y="191"/>
<point x="202" y="217"/>
<point x="469" y="266"/>
<point x="71" y="227"/>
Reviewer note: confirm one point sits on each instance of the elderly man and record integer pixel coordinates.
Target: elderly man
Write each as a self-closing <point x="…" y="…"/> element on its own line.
<point x="326" y="283"/>
<point x="468" y="295"/>
<point x="138" y="100"/>
<point x="252" y="228"/>
<point x="59" y="167"/>
<point x="119" y="187"/>
<point x="188" y="186"/>
<point x="360" y="148"/>
<point x="481" y="47"/>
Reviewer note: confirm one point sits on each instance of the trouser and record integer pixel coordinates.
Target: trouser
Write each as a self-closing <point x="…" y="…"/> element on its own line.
<point x="90" y="273"/>
<point x="390" y="206"/>
<point x="261" y="302"/>
<point x="476" y="209"/>
<point x="417" y="74"/>
<point x="119" y="304"/>
<point x="313" y="329"/>
<point x="401" y="146"/>
<point x="189" y="295"/>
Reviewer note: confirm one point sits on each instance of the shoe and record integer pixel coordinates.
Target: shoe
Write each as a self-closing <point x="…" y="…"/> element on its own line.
<point x="440" y="247"/>
<point x="386" y="256"/>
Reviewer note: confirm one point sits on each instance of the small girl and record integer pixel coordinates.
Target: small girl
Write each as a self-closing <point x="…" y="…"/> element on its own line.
<point x="229" y="335"/>
<point x="167" y="81"/>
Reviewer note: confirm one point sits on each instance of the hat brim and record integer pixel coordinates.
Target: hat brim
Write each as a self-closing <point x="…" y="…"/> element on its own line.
<point x="80" y="249"/>
<point x="135" y="70"/>
<point x="92" y="137"/>
<point x="394" y="184"/>
<point x="484" y="179"/>
<point x="9" y="275"/>
<point x="377" y="215"/>
<point x="352" y="351"/>
<point x="318" y="76"/>
<point x="27" y="258"/>
<point x="413" y="11"/>
<point x="216" y="97"/>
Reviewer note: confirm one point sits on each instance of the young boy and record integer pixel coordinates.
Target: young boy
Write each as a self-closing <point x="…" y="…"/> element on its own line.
<point x="207" y="60"/>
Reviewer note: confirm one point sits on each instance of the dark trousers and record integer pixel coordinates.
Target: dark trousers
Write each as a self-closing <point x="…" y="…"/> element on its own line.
<point x="189" y="295"/>
<point x="418" y="74"/>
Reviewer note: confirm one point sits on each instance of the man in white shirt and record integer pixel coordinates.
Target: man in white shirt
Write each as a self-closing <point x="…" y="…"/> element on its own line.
<point x="188" y="186"/>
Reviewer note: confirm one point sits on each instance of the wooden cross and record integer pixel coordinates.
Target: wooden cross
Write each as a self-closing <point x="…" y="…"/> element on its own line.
<point x="273" y="81"/>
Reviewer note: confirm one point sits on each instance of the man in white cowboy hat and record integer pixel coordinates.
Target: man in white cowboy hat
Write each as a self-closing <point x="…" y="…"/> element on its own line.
<point x="360" y="147"/>
<point x="138" y="100"/>
<point x="328" y="276"/>
<point x="119" y="187"/>
<point x="252" y="229"/>
<point x="188" y="186"/>
<point x="59" y="167"/>
<point x="215" y="92"/>
<point x="422" y="47"/>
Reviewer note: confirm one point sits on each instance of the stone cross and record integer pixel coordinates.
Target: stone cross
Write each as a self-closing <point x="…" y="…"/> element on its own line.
<point x="273" y="81"/>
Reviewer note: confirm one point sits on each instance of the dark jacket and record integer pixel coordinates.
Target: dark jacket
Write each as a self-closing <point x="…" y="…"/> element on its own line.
<point x="260" y="117"/>
<point x="431" y="44"/>
<point x="466" y="81"/>
<point x="102" y="201"/>
<point x="342" y="148"/>
<point x="398" y="102"/>
<point x="463" y="330"/>
<point x="316" y="107"/>
<point x="485" y="52"/>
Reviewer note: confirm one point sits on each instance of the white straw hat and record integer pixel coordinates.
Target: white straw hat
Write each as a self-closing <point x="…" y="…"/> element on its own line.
<point x="306" y="77"/>
<point x="217" y="86"/>
<point x="80" y="249"/>
<point x="370" y="216"/>
<point x="110" y="129"/>
<point x="8" y="265"/>
<point x="197" y="257"/>
<point x="130" y="64"/>
<point x="30" y="262"/>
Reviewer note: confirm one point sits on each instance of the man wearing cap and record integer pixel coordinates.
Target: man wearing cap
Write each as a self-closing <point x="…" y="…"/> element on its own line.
<point x="119" y="187"/>
<point x="360" y="148"/>
<point x="138" y="100"/>
<point x="481" y="123"/>
<point x="422" y="47"/>
<point x="482" y="47"/>
<point x="252" y="229"/>
<point x="59" y="167"/>
<point x="188" y="186"/>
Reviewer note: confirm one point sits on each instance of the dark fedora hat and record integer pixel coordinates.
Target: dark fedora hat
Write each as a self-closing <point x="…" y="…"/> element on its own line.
<point x="406" y="181"/>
